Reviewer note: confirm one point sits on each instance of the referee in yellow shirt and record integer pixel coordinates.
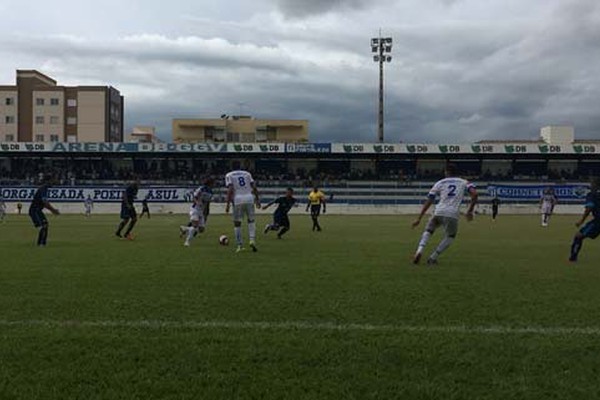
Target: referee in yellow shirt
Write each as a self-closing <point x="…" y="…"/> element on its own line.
<point x="316" y="199"/>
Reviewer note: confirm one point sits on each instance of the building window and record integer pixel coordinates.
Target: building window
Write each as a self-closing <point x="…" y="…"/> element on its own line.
<point x="54" y="102"/>
<point x="54" y="138"/>
<point x="9" y="119"/>
<point x="39" y="120"/>
<point x="54" y="120"/>
<point x="39" y="138"/>
<point x="71" y="103"/>
<point x="233" y="137"/>
<point x="39" y="102"/>
<point x="71" y="121"/>
<point x="10" y="138"/>
<point x="271" y="135"/>
<point x="10" y="101"/>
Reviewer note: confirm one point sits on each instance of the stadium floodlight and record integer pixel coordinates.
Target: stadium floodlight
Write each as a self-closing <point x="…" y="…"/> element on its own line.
<point x="383" y="47"/>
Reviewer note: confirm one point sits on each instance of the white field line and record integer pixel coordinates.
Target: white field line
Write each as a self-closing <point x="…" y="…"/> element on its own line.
<point x="306" y="326"/>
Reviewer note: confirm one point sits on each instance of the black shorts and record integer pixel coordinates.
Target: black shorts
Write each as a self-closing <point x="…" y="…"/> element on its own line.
<point x="281" y="220"/>
<point x="127" y="213"/>
<point x="315" y="210"/>
<point x="37" y="217"/>
<point x="591" y="229"/>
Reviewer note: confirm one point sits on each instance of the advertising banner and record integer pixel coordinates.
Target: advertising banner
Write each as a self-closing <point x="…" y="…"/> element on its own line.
<point x="296" y="148"/>
<point x="535" y="192"/>
<point x="308" y="147"/>
<point x="180" y="147"/>
<point x="364" y="148"/>
<point x="100" y="194"/>
<point x="256" y="147"/>
<point x="11" y="147"/>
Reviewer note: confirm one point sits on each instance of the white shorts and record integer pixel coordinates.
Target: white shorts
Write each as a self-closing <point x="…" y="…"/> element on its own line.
<point x="450" y="225"/>
<point x="239" y="210"/>
<point x="196" y="216"/>
<point x="547" y="209"/>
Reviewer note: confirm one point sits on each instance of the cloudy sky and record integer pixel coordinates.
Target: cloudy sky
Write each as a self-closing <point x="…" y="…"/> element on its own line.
<point x="463" y="70"/>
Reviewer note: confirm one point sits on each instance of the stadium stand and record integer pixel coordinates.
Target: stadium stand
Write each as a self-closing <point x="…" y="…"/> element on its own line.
<point x="351" y="174"/>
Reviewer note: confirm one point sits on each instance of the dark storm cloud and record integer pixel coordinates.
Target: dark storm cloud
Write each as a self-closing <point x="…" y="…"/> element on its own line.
<point x="298" y="9"/>
<point x="214" y="53"/>
<point x="461" y="72"/>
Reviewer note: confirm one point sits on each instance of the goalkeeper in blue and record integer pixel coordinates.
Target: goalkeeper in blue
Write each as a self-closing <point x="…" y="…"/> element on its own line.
<point x="592" y="228"/>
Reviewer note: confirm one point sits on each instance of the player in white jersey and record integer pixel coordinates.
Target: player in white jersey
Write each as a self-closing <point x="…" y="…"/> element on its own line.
<point x="197" y="220"/>
<point x="89" y="205"/>
<point x="547" y="203"/>
<point x="451" y="192"/>
<point x="242" y="193"/>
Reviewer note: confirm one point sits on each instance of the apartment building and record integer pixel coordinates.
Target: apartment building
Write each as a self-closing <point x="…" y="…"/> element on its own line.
<point x="37" y="109"/>
<point x="239" y="129"/>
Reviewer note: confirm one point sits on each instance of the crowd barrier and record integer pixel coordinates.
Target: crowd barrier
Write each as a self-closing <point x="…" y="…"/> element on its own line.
<point x="354" y="197"/>
<point x="332" y="209"/>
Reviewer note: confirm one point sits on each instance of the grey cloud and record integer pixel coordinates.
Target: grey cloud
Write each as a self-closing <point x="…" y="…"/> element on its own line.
<point x="155" y="48"/>
<point x="455" y="78"/>
<point x="303" y="8"/>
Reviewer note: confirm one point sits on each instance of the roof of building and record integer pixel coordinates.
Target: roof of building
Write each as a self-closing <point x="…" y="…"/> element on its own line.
<point x="36" y="72"/>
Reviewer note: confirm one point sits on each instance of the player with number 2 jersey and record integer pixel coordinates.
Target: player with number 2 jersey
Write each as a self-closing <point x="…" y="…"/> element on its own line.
<point x="451" y="192"/>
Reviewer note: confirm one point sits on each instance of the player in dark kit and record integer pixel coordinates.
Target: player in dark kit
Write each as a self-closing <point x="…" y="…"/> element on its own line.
<point x="592" y="228"/>
<point x="145" y="208"/>
<point x="281" y="221"/>
<point x="128" y="214"/>
<point x="36" y="212"/>
<point x="495" y="206"/>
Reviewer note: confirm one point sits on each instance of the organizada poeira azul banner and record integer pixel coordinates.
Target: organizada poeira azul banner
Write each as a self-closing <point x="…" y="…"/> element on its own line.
<point x="74" y="194"/>
<point x="535" y="192"/>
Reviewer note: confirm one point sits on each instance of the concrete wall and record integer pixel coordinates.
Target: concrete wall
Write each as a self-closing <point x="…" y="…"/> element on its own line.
<point x="91" y="116"/>
<point x="9" y="110"/>
<point x="332" y="209"/>
<point x="49" y="111"/>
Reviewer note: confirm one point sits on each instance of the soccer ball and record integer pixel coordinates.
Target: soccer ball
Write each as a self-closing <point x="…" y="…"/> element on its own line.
<point x="223" y="240"/>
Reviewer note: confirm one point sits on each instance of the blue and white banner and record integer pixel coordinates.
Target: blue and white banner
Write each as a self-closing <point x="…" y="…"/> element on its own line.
<point x="100" y="194"/>
<point x="308" y="148"/>
<point x="294" y="148"/>
<point x="535" y="192"/>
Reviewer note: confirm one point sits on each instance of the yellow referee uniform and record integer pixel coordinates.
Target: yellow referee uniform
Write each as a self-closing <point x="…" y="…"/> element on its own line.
<point x="316" y="198"/>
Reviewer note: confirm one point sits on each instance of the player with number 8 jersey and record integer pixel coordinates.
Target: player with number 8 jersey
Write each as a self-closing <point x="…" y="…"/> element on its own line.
<point x="242" y="193"/>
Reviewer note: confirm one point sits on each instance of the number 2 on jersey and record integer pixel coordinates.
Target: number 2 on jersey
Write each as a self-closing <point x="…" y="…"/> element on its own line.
<point x="451" y="190"/>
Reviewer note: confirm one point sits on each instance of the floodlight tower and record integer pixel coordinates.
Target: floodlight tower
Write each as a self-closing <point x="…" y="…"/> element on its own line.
<point x="381" y="48"/>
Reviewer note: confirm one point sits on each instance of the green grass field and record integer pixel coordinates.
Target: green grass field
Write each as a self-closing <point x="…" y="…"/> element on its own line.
<point x="339" y="315"/>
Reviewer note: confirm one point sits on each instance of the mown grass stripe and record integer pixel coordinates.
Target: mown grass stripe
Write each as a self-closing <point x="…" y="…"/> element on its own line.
<point x="308" y="326"/>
